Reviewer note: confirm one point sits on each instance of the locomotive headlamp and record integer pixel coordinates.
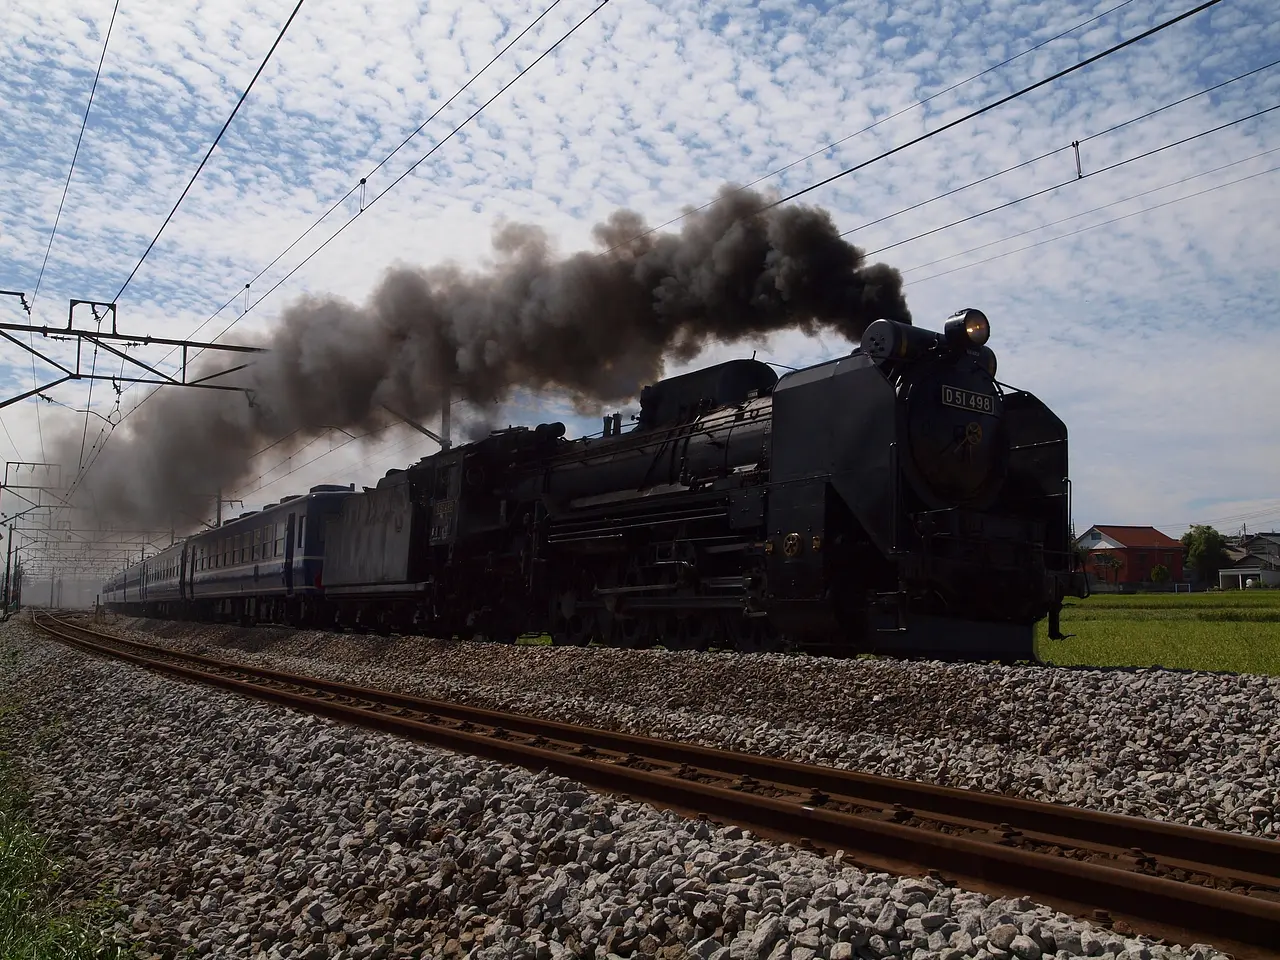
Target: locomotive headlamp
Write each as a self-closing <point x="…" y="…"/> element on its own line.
<point x="967" y="329"/>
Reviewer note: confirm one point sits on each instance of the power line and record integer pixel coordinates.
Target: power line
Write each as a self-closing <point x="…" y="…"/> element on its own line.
<point x="995" y="103"/>
<point x="74" y="155"/>
<point x="1057" y="150"/>
<point x="380" y="164"/>
<point x="1113" y="49"/>
<point x="869" y="127"/>
<point x="376" y="198"/>
<point x="1084" y="213"/>
<point x="1105" y="223"/>
<point x="551" y="49"/>
<point x="1077" y="179"/>
<point x="262" y="66"/>
<point x="973" y="114"/>
<point x="461" y="90"/>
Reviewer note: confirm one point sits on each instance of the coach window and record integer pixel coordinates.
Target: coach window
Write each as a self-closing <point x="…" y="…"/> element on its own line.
<point x="302" y="534"/>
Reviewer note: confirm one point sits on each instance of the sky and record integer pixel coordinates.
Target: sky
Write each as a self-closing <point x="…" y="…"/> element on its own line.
<point x="1137" y="299"/>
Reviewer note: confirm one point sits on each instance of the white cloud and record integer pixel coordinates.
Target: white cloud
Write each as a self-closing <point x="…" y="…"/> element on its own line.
<point x="1153" y="338"/>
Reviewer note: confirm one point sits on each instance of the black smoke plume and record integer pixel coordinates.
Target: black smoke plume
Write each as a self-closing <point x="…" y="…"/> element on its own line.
<point x="593" y="326"/>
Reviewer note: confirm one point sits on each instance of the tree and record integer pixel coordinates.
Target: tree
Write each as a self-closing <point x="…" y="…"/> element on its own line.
<point x="1159" y="573"/>
<point x="1206" y="550"/>
<point x="1107" y="561"/>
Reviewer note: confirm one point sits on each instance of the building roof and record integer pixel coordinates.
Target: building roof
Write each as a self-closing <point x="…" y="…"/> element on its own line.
<point x="1253" y="562"/>
<point x="1128" y="536"/>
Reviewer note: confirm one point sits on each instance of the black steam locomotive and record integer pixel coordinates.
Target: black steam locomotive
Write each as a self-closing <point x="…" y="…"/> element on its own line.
<point x="898" y="500"/>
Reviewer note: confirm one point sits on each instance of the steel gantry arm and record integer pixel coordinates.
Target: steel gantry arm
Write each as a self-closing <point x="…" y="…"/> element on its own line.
<point x="105" y="339"/>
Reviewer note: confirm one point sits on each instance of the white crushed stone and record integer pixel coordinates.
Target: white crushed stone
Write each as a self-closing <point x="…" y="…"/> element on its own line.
<point x="1195" y="748"/>
<point x="232" y="828"/>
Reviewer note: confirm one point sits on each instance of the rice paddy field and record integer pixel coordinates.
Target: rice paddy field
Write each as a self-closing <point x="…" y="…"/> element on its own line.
<point x="1235" y="630"/>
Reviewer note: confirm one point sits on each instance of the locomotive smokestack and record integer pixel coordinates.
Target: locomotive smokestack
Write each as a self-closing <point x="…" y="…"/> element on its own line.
<point x="594" y="326"/>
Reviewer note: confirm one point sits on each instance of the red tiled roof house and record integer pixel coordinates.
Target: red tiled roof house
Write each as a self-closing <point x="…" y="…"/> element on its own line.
<point x="1124" y="555"/>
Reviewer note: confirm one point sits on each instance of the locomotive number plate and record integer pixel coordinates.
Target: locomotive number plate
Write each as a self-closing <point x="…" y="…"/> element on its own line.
<point x="968" y="400"/>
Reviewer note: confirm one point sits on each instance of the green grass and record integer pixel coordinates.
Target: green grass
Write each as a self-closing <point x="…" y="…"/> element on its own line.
<point x="38" y="921"/>
<point x="35" y="924"/>
<point x="1237" y="631"/>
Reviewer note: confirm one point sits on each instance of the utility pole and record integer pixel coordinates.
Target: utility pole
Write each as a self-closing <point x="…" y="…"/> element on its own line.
<point x="446" y="421"/>
<point x="217" y="521"/>
<point x="8" y="561"/>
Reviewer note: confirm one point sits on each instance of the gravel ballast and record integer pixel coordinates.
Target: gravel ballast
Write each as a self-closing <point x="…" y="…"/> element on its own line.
<point x="232" y="828"/>
<point x="1193" y="748"/>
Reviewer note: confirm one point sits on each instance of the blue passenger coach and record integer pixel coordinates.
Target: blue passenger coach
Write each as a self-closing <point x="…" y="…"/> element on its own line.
<point x="266" y="564"/>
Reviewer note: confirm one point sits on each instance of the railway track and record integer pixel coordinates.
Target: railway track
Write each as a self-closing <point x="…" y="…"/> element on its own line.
<point x="1166" y="880"/>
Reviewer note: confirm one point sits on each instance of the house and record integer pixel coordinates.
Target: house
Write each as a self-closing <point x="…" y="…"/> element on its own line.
<point x="1261" y="545"/>
<point x="1125" y="556"/>
<point x="1255" y="557"/>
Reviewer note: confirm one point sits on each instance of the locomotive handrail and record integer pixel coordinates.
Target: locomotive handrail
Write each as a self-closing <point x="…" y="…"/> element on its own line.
<point x="1041" y="443"/>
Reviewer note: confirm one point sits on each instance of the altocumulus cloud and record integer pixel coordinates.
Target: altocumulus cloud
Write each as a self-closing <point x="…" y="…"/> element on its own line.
<point x="1151" y="336"/>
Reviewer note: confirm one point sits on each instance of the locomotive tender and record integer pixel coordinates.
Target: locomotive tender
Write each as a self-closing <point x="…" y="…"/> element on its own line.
<point x="898" y="500"/>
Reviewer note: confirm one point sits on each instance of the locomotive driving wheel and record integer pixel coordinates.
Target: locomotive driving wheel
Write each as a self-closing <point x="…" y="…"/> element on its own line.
<point x="630" y="629"/>
<point x="754" y="635"/>
<point x="570" y="627"/>
<point x="689" y="631"/>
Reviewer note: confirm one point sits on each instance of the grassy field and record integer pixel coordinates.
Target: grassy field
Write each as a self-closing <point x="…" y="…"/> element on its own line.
<point x="33" y="923"/>
<point x="1234" y="630"/>
<point x="36" y="921"/>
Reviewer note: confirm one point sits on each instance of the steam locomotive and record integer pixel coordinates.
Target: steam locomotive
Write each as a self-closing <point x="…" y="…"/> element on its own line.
<point x="898" y="500"/>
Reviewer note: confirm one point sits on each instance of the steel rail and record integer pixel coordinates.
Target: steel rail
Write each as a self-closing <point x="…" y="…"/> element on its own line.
<point x="987" y="858"/>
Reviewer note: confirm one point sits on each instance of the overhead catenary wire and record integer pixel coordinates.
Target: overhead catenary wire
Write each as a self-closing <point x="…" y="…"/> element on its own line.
<point x="1097" y="209"/>
<point x="1077" y="179"/>
<point x="213" y="146"/>
<point x="419" y="129"/>
<point x="380" y="164"/>
<point x="394" y="183"/>
<point x="551" y="49"/>
<point x="75" y="154"/>
<point x="869" y="127"/>
<point x="999" y="102"/>
<point x="1044" y="156"/>
<point x="1094" y="226"/>
<point x="1115" y="48"/>
<point x="988" y="107"/>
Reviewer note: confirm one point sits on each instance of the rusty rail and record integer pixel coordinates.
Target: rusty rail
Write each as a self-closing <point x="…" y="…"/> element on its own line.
<point x="1169" y="880"/>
